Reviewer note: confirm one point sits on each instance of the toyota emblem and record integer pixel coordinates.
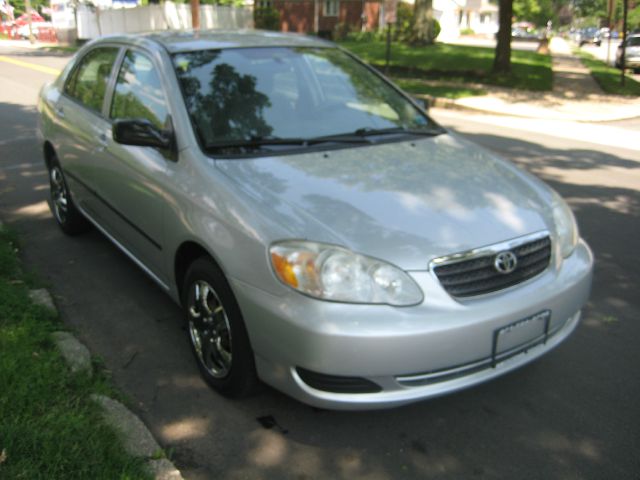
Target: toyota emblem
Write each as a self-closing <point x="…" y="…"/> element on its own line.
<point x="505" y="262"/>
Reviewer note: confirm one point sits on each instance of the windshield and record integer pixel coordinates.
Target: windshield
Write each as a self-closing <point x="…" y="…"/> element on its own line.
<point x="245" y="94"/>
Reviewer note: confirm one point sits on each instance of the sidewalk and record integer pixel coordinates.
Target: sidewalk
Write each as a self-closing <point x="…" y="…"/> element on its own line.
<point x="575" y="96"/>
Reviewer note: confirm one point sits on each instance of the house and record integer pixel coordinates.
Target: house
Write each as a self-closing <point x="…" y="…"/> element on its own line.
<point x="455" y="16"/>
<point x="322" y="16"/>
<point x="481" y="16"/>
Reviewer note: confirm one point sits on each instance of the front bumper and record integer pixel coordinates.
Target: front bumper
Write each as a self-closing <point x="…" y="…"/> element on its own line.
<point x="411" y="353"/>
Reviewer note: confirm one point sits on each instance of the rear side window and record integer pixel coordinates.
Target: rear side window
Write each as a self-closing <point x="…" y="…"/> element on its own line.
<point x="138" y="93"/>
<point x="88" y="82"/>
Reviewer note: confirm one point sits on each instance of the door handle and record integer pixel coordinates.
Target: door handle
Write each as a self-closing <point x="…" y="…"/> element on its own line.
<point x="103" y="142"/>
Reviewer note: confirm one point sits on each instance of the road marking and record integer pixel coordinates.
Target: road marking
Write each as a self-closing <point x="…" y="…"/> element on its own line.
<point x="32" y="66"/>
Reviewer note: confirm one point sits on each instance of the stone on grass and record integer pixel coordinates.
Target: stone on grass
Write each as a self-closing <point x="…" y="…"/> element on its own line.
<point x="41" y="296"/>
<point x="74" y="352"/>
<point x="163" y="469"/>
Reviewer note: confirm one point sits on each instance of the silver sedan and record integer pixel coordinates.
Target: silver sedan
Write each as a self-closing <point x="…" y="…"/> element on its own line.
<point x="322" y="233"/>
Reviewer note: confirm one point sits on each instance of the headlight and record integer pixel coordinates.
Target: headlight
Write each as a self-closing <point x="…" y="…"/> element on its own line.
<point x="333" y="273"/>
<point x="566" y="227"/>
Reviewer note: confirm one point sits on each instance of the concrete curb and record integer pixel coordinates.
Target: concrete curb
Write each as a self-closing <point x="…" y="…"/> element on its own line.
<point x="138" y="440"/>
<point x="449" y="104"/>
<point x="74" y="352"/>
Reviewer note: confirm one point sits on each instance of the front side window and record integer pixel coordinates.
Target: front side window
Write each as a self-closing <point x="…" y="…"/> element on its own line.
<point x="284" y="92"/>
<point x="88" y="82"/>
<point x="138" y="93"/>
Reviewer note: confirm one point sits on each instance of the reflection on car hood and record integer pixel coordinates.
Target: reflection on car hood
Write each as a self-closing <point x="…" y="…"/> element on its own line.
<point x="405" y="202"/>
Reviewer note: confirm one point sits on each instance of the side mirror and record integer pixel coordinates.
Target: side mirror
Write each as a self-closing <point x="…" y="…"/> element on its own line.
<point x="142" y="133"/>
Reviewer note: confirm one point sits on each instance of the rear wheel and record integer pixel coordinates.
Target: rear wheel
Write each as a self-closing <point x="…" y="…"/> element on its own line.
<point x="216" y="331"/>
<point x="67" y="216"/>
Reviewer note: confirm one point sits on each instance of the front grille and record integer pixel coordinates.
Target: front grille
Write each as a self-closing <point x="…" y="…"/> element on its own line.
<point x="478" y="275"/>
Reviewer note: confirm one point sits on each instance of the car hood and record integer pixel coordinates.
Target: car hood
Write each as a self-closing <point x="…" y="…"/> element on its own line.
<point x="405" y="202"/>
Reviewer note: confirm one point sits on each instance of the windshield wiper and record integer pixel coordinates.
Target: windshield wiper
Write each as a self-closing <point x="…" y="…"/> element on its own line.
<point x="367" y="131"/>
<point x="256" y="142"/>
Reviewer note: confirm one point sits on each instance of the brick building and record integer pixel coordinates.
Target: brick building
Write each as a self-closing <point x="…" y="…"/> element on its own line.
<point x="322" y="16"/>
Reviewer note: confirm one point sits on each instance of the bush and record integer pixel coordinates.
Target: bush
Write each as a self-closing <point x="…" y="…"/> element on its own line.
<point x="368" y="36"/>
<point x="467" y="31"/>
<point x="403" y="30"/>
<point x="341" y="31"/>
<point x="266" y="19"/>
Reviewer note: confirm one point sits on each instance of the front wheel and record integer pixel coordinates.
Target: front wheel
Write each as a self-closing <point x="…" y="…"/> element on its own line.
<point x="216" y="330"/>
<point x="67" y="216"/>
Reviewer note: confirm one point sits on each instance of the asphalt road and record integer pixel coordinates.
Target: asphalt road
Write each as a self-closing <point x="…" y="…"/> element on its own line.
<point x="573" y="414"/>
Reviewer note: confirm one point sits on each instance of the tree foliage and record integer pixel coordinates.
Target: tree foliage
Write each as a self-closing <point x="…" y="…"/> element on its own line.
<point x="423" y="23"/>
<point x="540" y="12"/>
<point x="20" y="7"/>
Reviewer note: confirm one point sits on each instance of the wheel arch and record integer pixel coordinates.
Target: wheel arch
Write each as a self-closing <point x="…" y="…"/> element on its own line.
<point x="188" y="252"/>
<point x="49" y="153"/>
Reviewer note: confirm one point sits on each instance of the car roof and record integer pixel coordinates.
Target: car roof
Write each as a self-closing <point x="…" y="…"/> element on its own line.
<point x="185" y="41"/>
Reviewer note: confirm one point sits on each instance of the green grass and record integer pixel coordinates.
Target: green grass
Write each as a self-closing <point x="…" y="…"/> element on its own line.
<point x="530" y="70"/>
<point x="420" y="87"/>
<point x="608" y="77"/>
<point x="49" y="428"/>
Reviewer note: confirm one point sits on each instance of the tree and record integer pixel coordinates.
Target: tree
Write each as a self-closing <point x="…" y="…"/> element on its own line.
<point x="20" y="6"/>
<point x="423" y="31"/>
<point x="502" y="59"/>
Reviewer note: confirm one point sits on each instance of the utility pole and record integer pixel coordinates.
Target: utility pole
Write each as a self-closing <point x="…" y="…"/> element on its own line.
<point x="610" y="8"/>
<point x="195" y="14"/>
<point x="27" y="7"/>
<point x="624" y="39"/>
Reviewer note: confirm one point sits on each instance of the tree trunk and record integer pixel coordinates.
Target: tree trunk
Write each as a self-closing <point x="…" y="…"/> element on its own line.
<point x="423" y="22"/>
<point x="502" y="60"/>
<point x="195" y="14"/>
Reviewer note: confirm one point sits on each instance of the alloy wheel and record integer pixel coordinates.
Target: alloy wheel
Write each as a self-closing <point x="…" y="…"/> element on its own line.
<point x="209" y="329"/>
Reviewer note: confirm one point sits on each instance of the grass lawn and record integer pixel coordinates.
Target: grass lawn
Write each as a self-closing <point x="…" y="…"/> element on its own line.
<point x="418" y="86"/>
<point x="529" y="70"/>
<point x="49" y="428"/>
<point x="608" y="77"/>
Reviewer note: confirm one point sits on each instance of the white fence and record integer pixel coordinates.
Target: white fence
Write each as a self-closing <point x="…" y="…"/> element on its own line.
<point x="94" y="23"/>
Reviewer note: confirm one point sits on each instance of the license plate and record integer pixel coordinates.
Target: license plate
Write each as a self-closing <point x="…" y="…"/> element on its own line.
<point x="521" y="335"/>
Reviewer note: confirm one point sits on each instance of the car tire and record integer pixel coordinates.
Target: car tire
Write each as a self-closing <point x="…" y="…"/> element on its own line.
<point x="636" y="71"/>
<point x="216" y="331"/>
<point x="65" y="213"/>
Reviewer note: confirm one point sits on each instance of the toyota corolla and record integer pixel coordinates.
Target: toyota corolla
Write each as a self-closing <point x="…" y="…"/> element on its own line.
<point x="321" y="232"/>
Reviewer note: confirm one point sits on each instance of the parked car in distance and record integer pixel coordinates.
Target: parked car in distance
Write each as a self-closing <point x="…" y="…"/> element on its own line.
<point x="590" y="35"/>
<point x="631" y="54"/>
<point x="320" y="231"/>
